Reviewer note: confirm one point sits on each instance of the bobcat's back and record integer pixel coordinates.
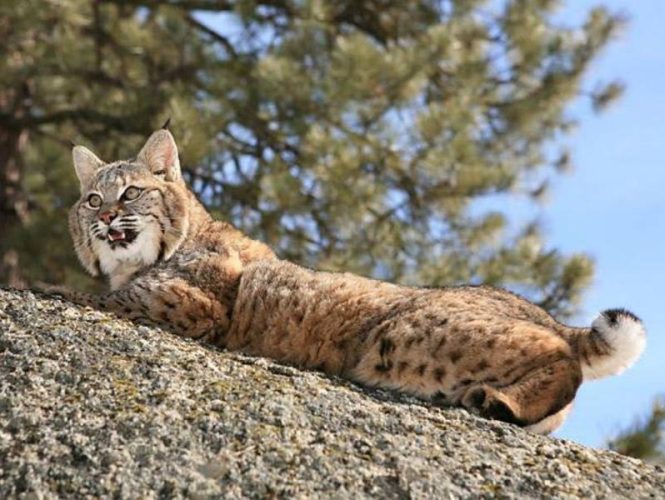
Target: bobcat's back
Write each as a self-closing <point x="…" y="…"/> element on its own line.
<point x="435" y="341"/>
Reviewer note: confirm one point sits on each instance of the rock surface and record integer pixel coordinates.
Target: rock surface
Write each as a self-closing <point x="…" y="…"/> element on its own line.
<point x="95" y="406"/>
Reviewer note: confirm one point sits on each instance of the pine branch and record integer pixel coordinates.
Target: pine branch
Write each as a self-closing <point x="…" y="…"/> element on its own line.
<point x="228" y="46"/>
<point x="191" y="5"/>
<point x="125" y="123"/>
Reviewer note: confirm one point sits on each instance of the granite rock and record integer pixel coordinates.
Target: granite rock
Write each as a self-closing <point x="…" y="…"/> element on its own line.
<point x="91" y="405"/>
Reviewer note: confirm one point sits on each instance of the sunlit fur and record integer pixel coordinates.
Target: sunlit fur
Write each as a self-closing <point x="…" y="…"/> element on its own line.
<point x="170" y="264"/>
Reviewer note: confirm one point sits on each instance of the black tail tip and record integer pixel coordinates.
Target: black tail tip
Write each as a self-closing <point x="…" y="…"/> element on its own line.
<point x="613" y="315"/>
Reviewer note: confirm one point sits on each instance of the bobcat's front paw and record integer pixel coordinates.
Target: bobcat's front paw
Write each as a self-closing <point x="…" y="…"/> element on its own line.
<point x="65" y="293"/>
<point x="49" y="289"/>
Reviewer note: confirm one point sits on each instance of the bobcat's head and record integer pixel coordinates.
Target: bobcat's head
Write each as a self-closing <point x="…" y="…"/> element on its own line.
<point x="131" y="213"/>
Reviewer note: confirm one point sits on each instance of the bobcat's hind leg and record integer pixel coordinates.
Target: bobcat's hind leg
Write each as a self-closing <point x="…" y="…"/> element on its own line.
<point x="490" y="403"/>
<point x="533" y="400"/>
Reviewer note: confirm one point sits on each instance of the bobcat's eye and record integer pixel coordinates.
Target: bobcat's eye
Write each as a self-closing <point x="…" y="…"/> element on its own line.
<point x="131" y="193"/>
<point x="94" y="200"/>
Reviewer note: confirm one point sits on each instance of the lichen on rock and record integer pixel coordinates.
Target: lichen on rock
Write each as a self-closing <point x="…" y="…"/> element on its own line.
<point x="91" y="405"/>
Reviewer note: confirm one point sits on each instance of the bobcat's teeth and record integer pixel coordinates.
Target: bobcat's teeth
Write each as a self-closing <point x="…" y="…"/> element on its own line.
<point x="114" y="235"/>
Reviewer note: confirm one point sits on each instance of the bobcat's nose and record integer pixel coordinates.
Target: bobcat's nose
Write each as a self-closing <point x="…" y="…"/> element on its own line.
<point x="107" y="216"/>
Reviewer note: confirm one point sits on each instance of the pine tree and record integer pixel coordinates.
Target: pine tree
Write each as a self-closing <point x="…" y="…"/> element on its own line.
<point x="348" y="135"/>
<point x="86" y="72"/>
<point x="645" y="438"/>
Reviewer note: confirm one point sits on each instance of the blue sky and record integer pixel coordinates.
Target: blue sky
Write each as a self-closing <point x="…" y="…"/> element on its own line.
<point x="612" y="207"/>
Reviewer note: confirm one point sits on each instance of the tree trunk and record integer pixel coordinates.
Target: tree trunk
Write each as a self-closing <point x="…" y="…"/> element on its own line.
<point x="13" y="202"/>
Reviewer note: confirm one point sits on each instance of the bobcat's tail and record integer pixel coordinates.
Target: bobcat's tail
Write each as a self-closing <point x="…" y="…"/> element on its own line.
<point x="613" y="343"/>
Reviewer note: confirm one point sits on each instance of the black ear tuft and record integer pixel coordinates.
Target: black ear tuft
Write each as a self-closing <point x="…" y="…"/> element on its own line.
<point x="166" y="124"/>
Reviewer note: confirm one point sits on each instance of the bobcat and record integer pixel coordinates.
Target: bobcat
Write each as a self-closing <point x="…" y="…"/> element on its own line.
<point x="170" y="264"/>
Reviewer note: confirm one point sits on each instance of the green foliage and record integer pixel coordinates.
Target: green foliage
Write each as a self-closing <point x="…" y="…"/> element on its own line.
<point x="645" y="438"/>
<point x="348" y="135"/>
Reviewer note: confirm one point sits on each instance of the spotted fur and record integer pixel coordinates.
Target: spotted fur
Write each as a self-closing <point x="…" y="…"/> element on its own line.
<point x="169" y="263"/>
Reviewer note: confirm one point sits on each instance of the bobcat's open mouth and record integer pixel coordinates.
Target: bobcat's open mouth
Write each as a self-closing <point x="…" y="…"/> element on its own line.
<point x="120" y="237"/>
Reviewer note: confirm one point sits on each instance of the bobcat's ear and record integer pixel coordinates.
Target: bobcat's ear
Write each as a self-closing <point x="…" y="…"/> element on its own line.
<point x="160" y="155"/>
<point x="85" y="164"/>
